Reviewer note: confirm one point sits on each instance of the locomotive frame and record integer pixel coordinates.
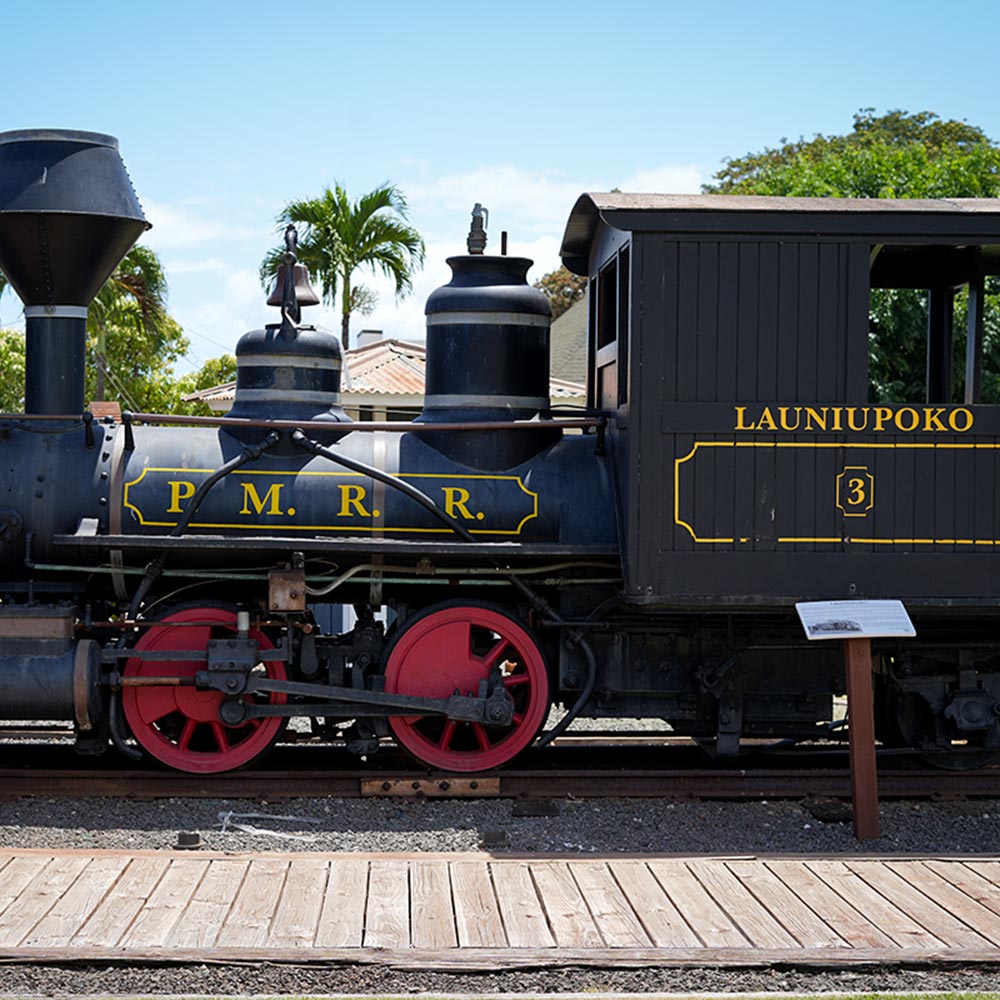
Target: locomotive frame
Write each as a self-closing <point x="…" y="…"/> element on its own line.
<point x="730" y="465"/>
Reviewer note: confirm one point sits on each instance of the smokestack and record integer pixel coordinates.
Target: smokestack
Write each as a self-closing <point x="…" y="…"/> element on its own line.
<point x="68" y="215"/>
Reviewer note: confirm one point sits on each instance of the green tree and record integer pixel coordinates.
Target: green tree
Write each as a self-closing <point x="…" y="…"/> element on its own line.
<point x="338" y="236"/>
<point x="12" y="366"/>
<point x="215" y="371"/>
<point x="562" y="288"/>
<point x="895" y="155"/>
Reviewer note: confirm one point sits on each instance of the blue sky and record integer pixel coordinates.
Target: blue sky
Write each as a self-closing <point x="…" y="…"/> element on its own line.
<point x="225" y="110"/>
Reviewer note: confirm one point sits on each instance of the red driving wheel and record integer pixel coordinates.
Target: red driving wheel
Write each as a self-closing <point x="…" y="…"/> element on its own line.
<point x="180" y="726"/>
<point x="454" y="648"/>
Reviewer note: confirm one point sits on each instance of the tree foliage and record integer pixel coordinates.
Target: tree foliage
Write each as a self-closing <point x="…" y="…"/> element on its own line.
<point x="894" y="155"/>
<point x="562" y="288"/>
<point x="338" y="236"/>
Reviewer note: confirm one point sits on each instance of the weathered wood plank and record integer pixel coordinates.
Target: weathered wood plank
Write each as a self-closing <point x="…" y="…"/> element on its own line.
<point x="38" y="897"/>
<point x="920" y="907"/>
<point x="477" y="916"/>
<point x="155" y="921"/>
<point x="950" y="897"/>
<point x="975" y="879"/>
<point x="523" y="916"/>
<point x="17" y="875"/>
<point x="115" y="913"/>
<point x="432" y="915"/>
<point x="342" y="919"/>
<point x="249" y="920"/>
<point x="301" y="902"/>
<point x="756" y="923"/>
<point x="790" y="911"/>
<point x="76" y="904"/>
<point x="200" y="923"/>
<point x="906" y="933"/>
<point x="568" y="916"/>
<point x="839" y="914"/>
<point x="708" y="920"/>
<point x="615" y="919"/>
<point x="387" y="915"/>
<point x="659" y="916"/>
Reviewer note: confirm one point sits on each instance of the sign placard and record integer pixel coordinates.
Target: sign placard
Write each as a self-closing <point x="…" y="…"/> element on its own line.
<point x="854" y="619"/>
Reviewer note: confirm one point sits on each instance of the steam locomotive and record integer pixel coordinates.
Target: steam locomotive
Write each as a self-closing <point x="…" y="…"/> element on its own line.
<point x="162" y="577"/>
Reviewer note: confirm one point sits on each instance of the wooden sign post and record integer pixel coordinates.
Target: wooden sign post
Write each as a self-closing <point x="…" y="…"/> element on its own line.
<point x="857" y="623"/>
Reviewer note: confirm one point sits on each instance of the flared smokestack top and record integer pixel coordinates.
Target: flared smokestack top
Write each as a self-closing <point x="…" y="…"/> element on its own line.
<point x="68" y="214"/>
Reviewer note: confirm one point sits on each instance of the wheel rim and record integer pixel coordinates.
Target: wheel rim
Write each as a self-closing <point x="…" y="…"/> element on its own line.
<point x="455" y="648"/>
<point x="180" y="726"/>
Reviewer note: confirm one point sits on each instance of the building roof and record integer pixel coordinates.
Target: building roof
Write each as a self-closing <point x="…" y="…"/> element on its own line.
<point x="387" y="367"/>
<point x="568" y="343"/>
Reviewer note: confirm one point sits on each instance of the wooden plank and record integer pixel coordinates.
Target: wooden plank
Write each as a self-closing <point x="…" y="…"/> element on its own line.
<point x="977" y="880"/>
<point x="904" y="931"/>
<point x="523" y="916"/>
<point x="432" y="916"/>
<point x="16" y="876"/>
<point x="756" y="923"/>
<point x="477" y="916"/>
<point x="38" y="897"/>
<point x="787" y="908"/>
<point x="342" y="919"/>
<point x="119" y="907"/>
<point x="950" y="897"/>
<point x="660" y="918"/>
<point x="301" y="903"/>
<point x="568" y="916"/>
<point x="155" y="921"/>
<point x="387" y="915"/>
<point x="849" y="923"/>
<point x="76" y="904"/>
<point x="615" y="919"/>
<point x="920" y="907"/>
<point x="249" y="920"/>
<point x="201" y="921"/>
<point x="708" y="920"/>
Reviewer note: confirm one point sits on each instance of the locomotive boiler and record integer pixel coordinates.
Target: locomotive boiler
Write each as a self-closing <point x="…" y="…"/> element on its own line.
<point x="162" y="577"/>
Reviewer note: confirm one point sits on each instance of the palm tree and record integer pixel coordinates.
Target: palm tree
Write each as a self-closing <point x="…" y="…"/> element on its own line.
<point x="338" y="236"/>
<point x="134" y="296"/>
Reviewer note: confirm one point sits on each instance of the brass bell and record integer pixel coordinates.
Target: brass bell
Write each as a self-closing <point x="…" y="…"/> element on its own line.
<point x="304" y="293"/>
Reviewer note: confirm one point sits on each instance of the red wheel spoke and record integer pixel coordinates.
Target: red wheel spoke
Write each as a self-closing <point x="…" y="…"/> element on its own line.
<point x="517" y="718"/>
<point x="184" y="740"/>
<point x="482" y="737"/>
<point x="218" y="730"/>
<point x="447" y="733"/>
<point x="512" y="680"/>
<point x="492" y="658"/>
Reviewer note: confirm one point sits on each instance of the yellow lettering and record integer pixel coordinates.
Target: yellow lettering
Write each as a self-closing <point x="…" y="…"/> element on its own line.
<point x="783" y="417"/>
<point x="851" y="411"/>
<point x="179" y="490"/>
<point x="932" y="419"/>
<point x="816" y="419"/>
<point x="350" y="501"/>
<point x="911" y="415"/>
<point x="271" y="499"/>
<point x="967" y="419"/>
<point x="882" y="414"/>
<point x="455" y="499"/>
<point x="740" y="414"/>
<point x="837" y="412"/>
<point x="766" y="422"/>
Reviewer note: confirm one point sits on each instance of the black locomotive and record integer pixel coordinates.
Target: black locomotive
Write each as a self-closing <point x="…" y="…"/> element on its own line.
<point x="161" y="584"/>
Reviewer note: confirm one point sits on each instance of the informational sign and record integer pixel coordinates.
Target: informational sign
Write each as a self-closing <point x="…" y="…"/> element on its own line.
<point x="854" y="619"/>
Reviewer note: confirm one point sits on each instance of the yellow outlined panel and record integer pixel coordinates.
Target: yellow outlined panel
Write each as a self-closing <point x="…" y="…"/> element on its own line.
<point x="679" y="521"/>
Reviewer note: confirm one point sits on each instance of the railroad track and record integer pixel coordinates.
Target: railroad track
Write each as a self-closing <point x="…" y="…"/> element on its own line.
<point x="584" y="767"/>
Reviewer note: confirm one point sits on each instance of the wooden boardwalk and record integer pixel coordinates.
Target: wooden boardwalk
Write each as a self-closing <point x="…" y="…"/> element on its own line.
<point x="477" y="911"/>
